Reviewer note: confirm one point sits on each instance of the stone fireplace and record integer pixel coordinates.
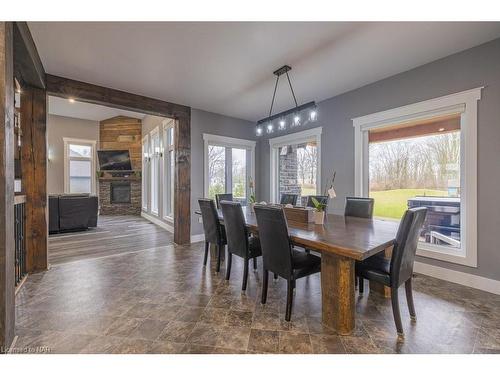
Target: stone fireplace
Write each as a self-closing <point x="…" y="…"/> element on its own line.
<point x="120" y="191"/>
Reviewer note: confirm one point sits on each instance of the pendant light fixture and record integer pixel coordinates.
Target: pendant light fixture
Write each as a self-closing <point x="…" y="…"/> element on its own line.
<point x="295" y="116"/>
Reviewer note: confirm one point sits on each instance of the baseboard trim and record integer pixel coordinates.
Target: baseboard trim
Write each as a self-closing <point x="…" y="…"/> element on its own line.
<point x="158" y="222"/>
<point x="462" y="278"/>
<point x="197" y="238"/>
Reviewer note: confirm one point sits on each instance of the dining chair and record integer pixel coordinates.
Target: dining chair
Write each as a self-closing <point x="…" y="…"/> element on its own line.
<point x="399" y="269"/>
<point x="214" y="232"/>
<point x="239" y="241"/>
<point x="320" y="198"/>
<point x="223" y="197"/>
<point x="359" y="207"/>
<point x="279" y="255"/>
<point x="289" y="199"/>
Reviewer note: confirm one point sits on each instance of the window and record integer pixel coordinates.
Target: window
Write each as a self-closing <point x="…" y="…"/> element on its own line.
<point x="425" y="155"/>
<point x="295" y="165"/>
<point x="168" y="170"/>
<point x="155" y="170"/>
<point x="79" y="166"/>
<point x="145" y="172"/>
<point x="229" y="166"/>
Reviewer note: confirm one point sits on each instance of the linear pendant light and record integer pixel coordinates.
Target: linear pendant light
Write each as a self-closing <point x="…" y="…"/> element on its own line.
<point x="292" y="116"/>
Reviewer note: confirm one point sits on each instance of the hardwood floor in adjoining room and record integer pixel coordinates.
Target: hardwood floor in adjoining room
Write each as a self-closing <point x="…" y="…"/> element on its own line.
<point x="113" y="235"/>
<point x="162" y="300"/>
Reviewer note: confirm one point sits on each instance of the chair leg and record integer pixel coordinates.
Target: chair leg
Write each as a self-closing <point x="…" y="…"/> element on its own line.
<point x="396" y="312"/>
<point x="265" y="281"/>
<point x="361" y="283"/>
<point x="245" y="275"/>
<point x="254" y="263"/>
<point x="219" y="253"/>
<point x="228" y="265"/>
<point x="289" y="300"/>
<point x="275" y="276"/>
<point x="206" y="253"/>
<point x="409" y="299"/>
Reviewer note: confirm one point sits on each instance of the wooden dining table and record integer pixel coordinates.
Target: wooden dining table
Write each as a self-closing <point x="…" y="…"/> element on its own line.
<point x="341" y="240"/>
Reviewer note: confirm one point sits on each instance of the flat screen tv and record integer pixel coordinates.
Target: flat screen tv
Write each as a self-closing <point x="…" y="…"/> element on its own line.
<point x="114" y="160"/>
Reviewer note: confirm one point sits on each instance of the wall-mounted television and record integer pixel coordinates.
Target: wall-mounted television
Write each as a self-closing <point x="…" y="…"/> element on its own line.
<point x="114" y="160"/>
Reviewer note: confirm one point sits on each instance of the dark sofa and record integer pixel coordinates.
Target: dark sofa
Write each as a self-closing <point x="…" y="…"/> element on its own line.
<point x="72" y="212"/>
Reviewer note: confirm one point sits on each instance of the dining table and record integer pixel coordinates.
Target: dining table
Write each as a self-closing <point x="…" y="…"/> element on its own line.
<point x="341" y="241"/>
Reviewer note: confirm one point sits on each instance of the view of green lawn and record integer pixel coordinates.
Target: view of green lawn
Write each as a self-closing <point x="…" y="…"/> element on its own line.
<point x="393" y="203"/>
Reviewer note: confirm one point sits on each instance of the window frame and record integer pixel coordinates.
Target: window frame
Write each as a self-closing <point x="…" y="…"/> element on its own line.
<point x="221" y="141"/>
<point x="81" y="142"/>
<point x="465" y="103"/>
<point x="155" y="166"/>
<point x="167" y="175"/>
<point x="276" y="143"/>
<point x="145" y="173"/>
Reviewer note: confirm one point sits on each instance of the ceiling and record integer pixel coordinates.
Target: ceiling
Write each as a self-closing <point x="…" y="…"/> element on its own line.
<point x="86" y="111"/>
<point x="227" y="67"/>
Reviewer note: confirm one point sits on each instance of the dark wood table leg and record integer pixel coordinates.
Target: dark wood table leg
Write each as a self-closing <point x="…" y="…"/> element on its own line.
<point x="337" y="290"/>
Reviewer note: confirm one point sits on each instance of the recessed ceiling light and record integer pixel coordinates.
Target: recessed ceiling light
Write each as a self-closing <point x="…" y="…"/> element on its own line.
<point x="71" y="100"/>
<point x="441" y="129"/>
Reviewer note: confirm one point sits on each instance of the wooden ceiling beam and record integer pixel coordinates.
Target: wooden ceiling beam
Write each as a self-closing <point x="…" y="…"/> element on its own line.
<point x="28" y="67"/>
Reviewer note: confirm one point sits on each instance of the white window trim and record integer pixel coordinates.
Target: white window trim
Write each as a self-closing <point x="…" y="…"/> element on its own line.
<point x="218" y="140"/>
<point x="145" y="174"/>
<point x="84" y="142"/>
<point x="153" y="154"/>
<point x="465" y="103"/>
<point x="275" y="143"/>
<point x="166" y="148"/>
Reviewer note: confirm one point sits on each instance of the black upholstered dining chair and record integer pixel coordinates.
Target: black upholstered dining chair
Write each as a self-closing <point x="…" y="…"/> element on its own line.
<point x="223" y="197"/>
<point x="359" y="207"/>
<point x="214" y="232"/>
<point x="399" y="269"/>
<point x="278" y="254"/>
<point x="289" y="199"/>
<point x="323" y="199"/>
<point x="239" y="242"/>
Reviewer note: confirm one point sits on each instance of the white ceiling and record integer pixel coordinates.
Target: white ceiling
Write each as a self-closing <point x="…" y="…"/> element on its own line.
<point x="86" y="111"/>
<point x="227" y="67"/>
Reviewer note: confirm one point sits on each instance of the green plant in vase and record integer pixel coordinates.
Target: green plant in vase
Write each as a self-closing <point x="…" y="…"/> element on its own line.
<point x="319" y="211"/>
<point x="251" y="199"/>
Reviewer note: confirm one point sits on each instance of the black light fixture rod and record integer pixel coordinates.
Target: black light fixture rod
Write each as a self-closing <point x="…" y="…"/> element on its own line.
<point x="287" y="112"/>
<point x="291" y="88"/>
<point x="274" y="94"/>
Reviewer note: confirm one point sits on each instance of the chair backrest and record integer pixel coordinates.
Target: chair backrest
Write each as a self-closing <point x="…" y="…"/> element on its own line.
<point x="211" y="224"/>
<point x="236" y="230"/>
<point x="289" y="199"/>
<point x="274" y="240"/>
<point x="320" y="198"/>
<point x="359" y="207"/>
<point x="223" y="197"/>
<point x="405" y="246"/>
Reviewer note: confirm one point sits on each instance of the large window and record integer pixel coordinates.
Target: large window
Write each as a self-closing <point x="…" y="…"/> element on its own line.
<point x="295" y="161"/>
<point x="145" y="172"/>
<point x="229" y="166"/>
<point x="424" y="155"/>
<point x="155" y="170"/>
<point x="79" y="166"/>
<point x="168" y="170"/>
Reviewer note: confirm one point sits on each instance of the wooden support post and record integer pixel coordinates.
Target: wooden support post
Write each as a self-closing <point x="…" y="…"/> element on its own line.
<point x="182" y="183"/>
<point x="7" y="288"/>
<point x="337" y="290"/>
<point x="34" y="172"/>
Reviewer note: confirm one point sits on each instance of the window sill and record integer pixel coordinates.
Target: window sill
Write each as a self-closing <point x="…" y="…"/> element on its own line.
<point x="458" y="256"/>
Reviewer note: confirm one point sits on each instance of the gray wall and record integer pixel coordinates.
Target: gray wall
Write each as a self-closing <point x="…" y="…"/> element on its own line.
<point x="59" y="127"/>
<point x="479" y="66"/>
<point x="211" y="123"/>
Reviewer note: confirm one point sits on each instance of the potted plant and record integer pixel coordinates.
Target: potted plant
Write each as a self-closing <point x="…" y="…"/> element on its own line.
<point x="251" y="200"/>
<point x="319" y="211"/>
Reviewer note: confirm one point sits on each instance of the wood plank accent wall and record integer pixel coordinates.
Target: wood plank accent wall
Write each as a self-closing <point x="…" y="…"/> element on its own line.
<point x="122" y="133"/>
<point x="86" y="92"/>
<point x="34" y="172"/>
<point x="7" y="289"/>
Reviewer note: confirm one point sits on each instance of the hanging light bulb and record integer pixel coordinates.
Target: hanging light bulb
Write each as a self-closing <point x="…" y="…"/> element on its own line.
<point x="258" y="130"/>
<point x="282" y="124"/>
<point x="313" y="115"/>
<point x="270" y="127"/>
<point x="296" y="119"/>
